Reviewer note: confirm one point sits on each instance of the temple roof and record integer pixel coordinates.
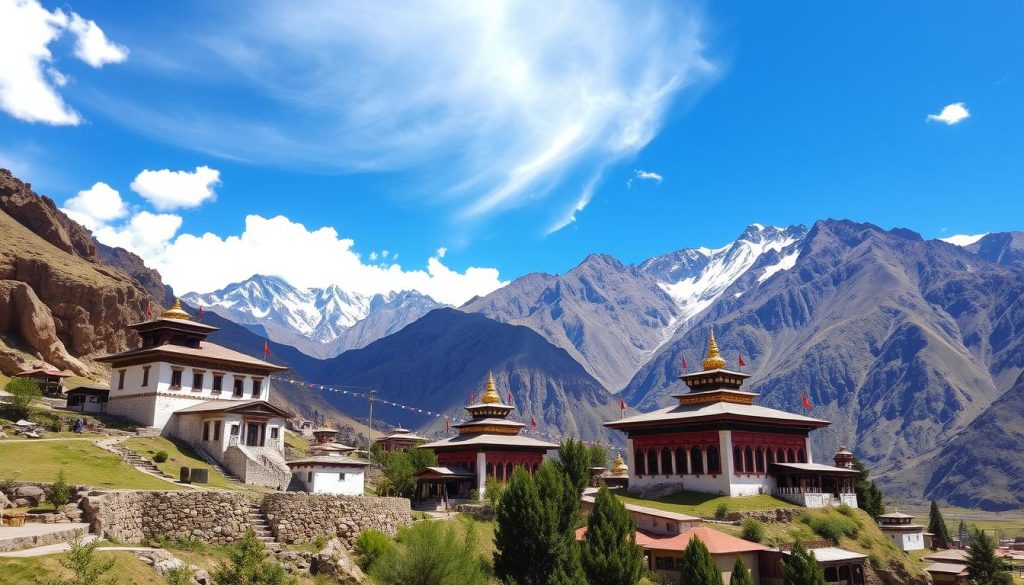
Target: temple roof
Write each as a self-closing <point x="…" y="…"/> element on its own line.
<point x="232" y="405"/>
<point x="206" y="350"/>
<point x="714" y="411"/>
<point x="487" y="439"/>
<point x="328" y="460"/>
<point x="816" y="468"/>
<point x="402" y="434"/>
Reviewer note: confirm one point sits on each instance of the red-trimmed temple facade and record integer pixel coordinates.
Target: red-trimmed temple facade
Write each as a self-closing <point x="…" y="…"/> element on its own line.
<point x="488" y="445"/>
<point x="717" y="441"/>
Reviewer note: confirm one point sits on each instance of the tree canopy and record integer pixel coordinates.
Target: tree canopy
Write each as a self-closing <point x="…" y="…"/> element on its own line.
<point x="937" y="525"/>
<point x="801" y="568"/>
<point x="609" y="551"/>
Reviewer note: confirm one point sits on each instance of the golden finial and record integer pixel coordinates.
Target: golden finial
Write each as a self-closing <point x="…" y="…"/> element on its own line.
<point x="176" y="312"/>
<point x="491" y="393"/>
<point x="714" y="360"/>
<point x="619" y="466"/>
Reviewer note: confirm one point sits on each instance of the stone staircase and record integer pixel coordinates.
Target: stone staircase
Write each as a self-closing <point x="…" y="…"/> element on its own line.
<point x="139" y="462"/>
<point x="261" y="526"/>
<point x="213" y="463"/>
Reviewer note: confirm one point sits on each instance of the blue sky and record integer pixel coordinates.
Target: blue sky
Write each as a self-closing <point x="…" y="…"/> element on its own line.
<point x="482" y="129"/>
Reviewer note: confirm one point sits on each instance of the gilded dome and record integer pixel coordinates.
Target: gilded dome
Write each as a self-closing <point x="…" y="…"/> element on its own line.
<point x="714" y="360"/>
<point x="619" y="466"/>
<point x="176" y="312"/>
<point x="491" y="393"/>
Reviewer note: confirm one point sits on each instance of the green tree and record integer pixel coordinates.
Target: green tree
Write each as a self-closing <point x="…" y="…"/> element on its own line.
<point x="869" y="496"/>
<point x="740" y="574"/>
<point x="560" y="512"/>
<point x="399" y="470"/>
<point x="598" y="456"/>
<point x="493" y="489"/>
<point x="86" y="568"/>
<point x="937" y="525"/>
<point x="965" y="535"/>
<point x="432" y="553"/>
<point x="983" y="566"/>
<point x="752" y="529"/>
<point x="697" y="566"/>
<point x="801" y="568"/>
<point x="516" y="537"/>
<point x="247" y="565"/>
<point x="59" y="493"/>
<point x="420" y="458"/>
<point x="24" y="395"/>
<point x="574" y="461"/>
<point x="609" y="552"/>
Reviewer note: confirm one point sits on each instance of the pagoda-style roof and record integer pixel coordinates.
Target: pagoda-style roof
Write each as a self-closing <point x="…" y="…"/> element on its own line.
<point x="401" y="435"/>
<point x="327" y="461"/>
<point x="216" y="355"/>
<point x="489" y="440"/>
<point x="715" y="396"/>
<point x="237" y="406"/>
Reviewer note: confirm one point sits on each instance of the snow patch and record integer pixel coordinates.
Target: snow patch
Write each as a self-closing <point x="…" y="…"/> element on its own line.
<point x="788" y="261"/>
<point x="963" y="239"/>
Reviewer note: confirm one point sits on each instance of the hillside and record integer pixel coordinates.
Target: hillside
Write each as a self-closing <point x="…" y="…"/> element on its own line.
<point x="436" y="362"/>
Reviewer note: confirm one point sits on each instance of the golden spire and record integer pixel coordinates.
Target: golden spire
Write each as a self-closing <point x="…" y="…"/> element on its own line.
<point x="491" y="393"/>
<point x="176" y="312"/>
<point x="619" y="466"/>
<point x="714" y="360"/>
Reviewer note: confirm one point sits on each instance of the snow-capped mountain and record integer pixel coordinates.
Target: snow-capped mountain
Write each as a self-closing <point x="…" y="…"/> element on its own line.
<point x="695" y="277"/>
<point x="321" y="322"/>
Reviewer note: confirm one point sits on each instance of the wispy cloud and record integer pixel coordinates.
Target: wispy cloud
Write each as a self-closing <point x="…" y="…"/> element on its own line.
<point x="512" y="97"/>
<point x="951" y="114"/>
<point x="584" y="199"/>
<point x="641" y="175"/>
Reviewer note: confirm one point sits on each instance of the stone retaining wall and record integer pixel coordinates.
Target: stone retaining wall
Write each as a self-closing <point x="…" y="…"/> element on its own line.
<point x="133" y="516"/>
<point x="297" y="517"/>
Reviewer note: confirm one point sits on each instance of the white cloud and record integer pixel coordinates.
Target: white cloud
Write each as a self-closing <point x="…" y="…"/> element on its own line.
<point x="581" y="203"/>
<point x="95" y="206"/>
<point x="514" y="97"/>
<point x="641" y="175"/>
<point x="167" y="189"/>
<point x="951" y="114"/>
<point x="306" y="258"/>
<point x="147" y="234"/>
<point x="963" y="239"/>
<point x="373" y="256"/>
<point x="92" y="45"/>
<point x="442" y="251"/>
<point x="28" y="80"/>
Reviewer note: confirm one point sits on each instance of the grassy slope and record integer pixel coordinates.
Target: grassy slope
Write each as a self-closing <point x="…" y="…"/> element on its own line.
<point x="82" y="462"/>
<point x="704" y="505"/>
<point x="179" y="455"/>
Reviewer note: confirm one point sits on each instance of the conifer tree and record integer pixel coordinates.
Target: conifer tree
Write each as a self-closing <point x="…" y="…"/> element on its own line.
<point x="574" y="460"/>
<point x="697" y="566"/>
<point x="801" y="568"/>
<point x="516" y="536"/>
<point x="560" y="511"/>
<point x="983" y="567"/>
<point x="869" y="496"/>
<point x="964" y="534"/>
<point x="609" y="552"/>
<point x="937" y="525"/>
<point x="740" y="574"/>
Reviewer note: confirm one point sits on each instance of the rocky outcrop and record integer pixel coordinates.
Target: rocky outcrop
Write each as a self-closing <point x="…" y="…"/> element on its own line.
<point x="40" y="215"/>
<point x="134" y="267"/>
<point x="334" y="562"/>
<point x="21" y="311"/>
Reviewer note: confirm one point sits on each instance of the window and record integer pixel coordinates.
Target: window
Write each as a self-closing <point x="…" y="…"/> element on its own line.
<point x="341" y="476"/>
<point x="257" y="387"/>
<point x="206" y="431"/>
<point x="176" y="379"/>
<point x="681" y="461"/>
<point x="638" y="457"/>
<point x="145" y="375"/>
<point x="218" y="382"/>
<point x="120" y="380"/>
<point x="696" y="461"/>
<point x="234" y="430"/>
<point x="309" y="476"/>
<point x="652" y="462"/>
<point x="216" y="430"/>
<point x="714" y="464"/>
<point x="197" y="381"/>
<point x="801" y="456"/>
<point x="665" y="563"/>
<point x="238" y="388"/>
<point x="666" y="461"/>
<point x="273" y="432"/>
<point x="737" y="459"/>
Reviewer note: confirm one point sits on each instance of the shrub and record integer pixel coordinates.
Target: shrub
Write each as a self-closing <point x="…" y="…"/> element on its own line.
<point x="493" y="488"/>
<point x="59" y="493"/>
<point x="86" y="568"/>
<point x="24" y="395"/>
<point x="721" y="510"/>
<point x="180" y="575"/>
<point x="247" y="565"/>
<point x="752" y="530"/>
<point x="371" y="545"/>
<point x="831" y="525"/>
<point x="320" y="541"/>
<point x="431" y="553"/>
<point x="160" y="457"/>
<point x="845" y="510"/>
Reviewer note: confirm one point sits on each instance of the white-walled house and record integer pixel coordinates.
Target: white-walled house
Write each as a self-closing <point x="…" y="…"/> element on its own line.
<point x="901" y="530"/>
<point x="329" y="474"/>
<point x="211" y="397"/>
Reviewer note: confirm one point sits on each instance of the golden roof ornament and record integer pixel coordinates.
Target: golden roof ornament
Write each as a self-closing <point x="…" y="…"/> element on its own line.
<point x="619" y="466"/>
<point x="176" y="312"/>
<point x="491" y="393"/>
<point x="714" y="360"/>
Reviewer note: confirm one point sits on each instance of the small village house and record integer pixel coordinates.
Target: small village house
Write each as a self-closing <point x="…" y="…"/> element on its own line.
<point x="902" y="531"/>
<point x="50" y="381"/>
<point x="328" y="474"/>
<point x="400" y="440"/>
<point x="88" y="398"/>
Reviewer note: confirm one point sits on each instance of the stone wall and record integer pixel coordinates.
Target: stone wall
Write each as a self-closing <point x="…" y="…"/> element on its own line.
<point x="133" y="516"/>
<point x="297" y="517"/>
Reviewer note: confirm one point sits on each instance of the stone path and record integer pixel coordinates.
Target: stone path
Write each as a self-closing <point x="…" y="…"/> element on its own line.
<point x="113" y="444"/>
<point x="33" y="535"/>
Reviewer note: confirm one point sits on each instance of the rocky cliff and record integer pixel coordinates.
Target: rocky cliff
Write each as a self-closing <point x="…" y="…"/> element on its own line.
<point x="59" y="303"/>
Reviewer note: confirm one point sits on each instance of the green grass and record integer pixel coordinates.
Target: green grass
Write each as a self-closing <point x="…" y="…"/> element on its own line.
<point x="704" y="505"/>
<point x="296" y="442"/>
<point x="181" y="455"/>
<point x="127" y="569"/>
<point x="83" y="464"/>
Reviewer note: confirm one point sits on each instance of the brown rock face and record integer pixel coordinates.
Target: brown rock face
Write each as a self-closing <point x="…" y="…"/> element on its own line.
<point x="40" y="214"/>
<point x="60" y="301"/>
<point x="133" y="266"/>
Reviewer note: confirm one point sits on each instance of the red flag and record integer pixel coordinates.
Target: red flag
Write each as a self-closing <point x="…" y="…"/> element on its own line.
<point x="149" y="309"/>
<point x="622" y="403"/>
<point x="266" y="348"/>
<point x="685" y="369"/>
<point x="741" y="362"/>
<point x="472" y="397"/>
<point x="199" y="314"/>
<point x="510" y="397"/>
<point x="807" y="403"/>
<point x="533" y="423"/>
<point x="446" y="425"/>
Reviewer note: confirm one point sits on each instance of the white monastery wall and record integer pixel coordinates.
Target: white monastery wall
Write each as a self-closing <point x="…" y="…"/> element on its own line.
<point x="319" y="479"/>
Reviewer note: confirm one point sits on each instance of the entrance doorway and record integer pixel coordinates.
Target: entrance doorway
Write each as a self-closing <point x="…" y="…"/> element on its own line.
<point x="252" y="435"/>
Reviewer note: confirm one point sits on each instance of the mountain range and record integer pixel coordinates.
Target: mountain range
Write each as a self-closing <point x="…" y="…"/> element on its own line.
<point x="911" y="347"/>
